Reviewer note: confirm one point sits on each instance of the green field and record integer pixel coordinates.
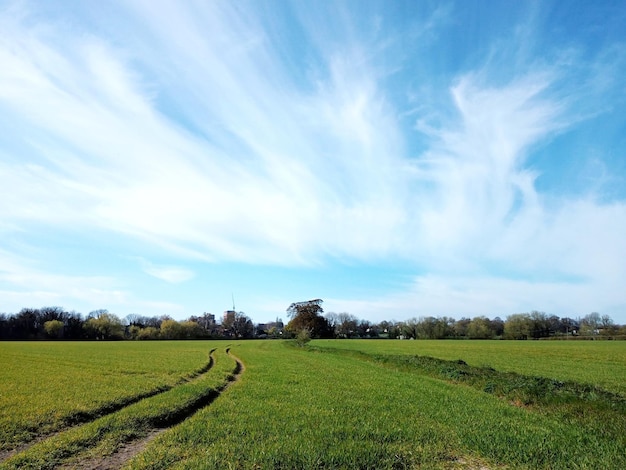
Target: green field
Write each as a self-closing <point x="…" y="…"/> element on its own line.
<point x="48" y="385"/>
<point x="333" y="404"/>
<point x="600" y="363"/>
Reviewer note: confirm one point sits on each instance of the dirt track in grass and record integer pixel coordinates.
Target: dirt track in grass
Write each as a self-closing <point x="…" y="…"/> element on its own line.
<point x="107" y="409"/>
<point x="135" y="447"/>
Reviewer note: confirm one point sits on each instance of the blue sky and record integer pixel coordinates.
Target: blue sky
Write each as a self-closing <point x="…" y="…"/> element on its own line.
<point x="396" y="159"/>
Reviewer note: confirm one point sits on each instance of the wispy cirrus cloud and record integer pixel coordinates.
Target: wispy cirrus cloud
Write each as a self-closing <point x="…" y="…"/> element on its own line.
<point x="171" y="274"/>
<point x="476" y="182"/>
<point x="263" y="162"/>
<point x="209" y="133"/>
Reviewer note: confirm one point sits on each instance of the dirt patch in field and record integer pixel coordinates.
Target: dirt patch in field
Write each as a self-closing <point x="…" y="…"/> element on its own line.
<point x="470" y="464"/>
<point x="6" y="454"/>
<point x="117" y="460"/>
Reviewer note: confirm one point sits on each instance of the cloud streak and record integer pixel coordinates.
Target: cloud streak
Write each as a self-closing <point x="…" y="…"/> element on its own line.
<point x="292" y="161"/>
<point x="171" y="274"/>
<point x="211" y="135"/>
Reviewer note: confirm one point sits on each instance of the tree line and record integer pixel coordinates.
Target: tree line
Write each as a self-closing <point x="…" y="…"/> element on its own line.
<point x="308" y="316"/>
<point x="305" y="317"/>
<point x="56" y="323"/>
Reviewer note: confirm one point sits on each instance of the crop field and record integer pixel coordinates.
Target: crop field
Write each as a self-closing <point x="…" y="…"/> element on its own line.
<point x="601" y="363"/>
<point x="63" y="383"/>
<point x="331" y="404"/>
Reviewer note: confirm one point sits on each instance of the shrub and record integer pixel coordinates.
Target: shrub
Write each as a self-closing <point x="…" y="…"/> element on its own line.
<point x="303" y="337"/>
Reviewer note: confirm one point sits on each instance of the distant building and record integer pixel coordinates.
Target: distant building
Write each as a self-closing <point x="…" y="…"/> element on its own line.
<point x="275" y="324"/>
<point x="272" y="328"/>
<point x="229" y="316"/>
<point x="207" y="320"/>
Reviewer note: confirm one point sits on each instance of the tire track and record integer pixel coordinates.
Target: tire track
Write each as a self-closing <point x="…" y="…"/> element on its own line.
<point x="129" y="450"/>
<point x="81" y="418"/>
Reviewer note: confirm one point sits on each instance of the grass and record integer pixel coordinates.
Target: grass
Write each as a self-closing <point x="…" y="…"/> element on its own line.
<point x="105" y="435"/>
<point x="597" y="363"/>
<point x="299" y="408"/>
<point x="350" y="404"/>
<point x="47" y="386"/>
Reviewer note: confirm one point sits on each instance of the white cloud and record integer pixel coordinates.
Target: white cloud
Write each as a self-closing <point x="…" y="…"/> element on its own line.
<point x="476" y="184"/>
<point x="171" y="274"/>
<point x="207" y="147"/>
<point x="24" y="284"/>
<point x="298" y="177"/>
<point x="437" y="295"/>
<point x="495" y="245"/>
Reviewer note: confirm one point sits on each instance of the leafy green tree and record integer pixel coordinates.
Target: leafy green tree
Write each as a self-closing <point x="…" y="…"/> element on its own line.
<point x="171" y="329"/>
<point x="429" y="328"/>
<point x="480" y="328"/>
<point x="303" y="337"/>
<point x="539" y="324"/>
<point x="274" y="332"/>
<point x="517" y="326"/>
<point x="442" y="327"/>
<point x="307" y="315"/>
<point x="191" y="329"/>
<point x="54" y="328"/>
<point x="104" y="325"/>
<point x="133" y="331"/>
<point x="149" y="332"/>
<point x="461" y="326"/>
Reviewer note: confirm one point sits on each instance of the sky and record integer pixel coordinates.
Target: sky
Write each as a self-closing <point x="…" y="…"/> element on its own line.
<point x="396" y="159"/>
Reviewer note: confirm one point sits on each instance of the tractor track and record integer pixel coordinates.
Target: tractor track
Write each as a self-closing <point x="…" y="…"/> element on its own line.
<point x="132" y="448"/>
<point x="81" y="418"/>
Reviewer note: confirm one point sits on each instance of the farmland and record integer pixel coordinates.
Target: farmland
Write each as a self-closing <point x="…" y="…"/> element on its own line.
<point x="600" y="363"/>
<point x="333" y="404"/>
<point x="63" y="383"/>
